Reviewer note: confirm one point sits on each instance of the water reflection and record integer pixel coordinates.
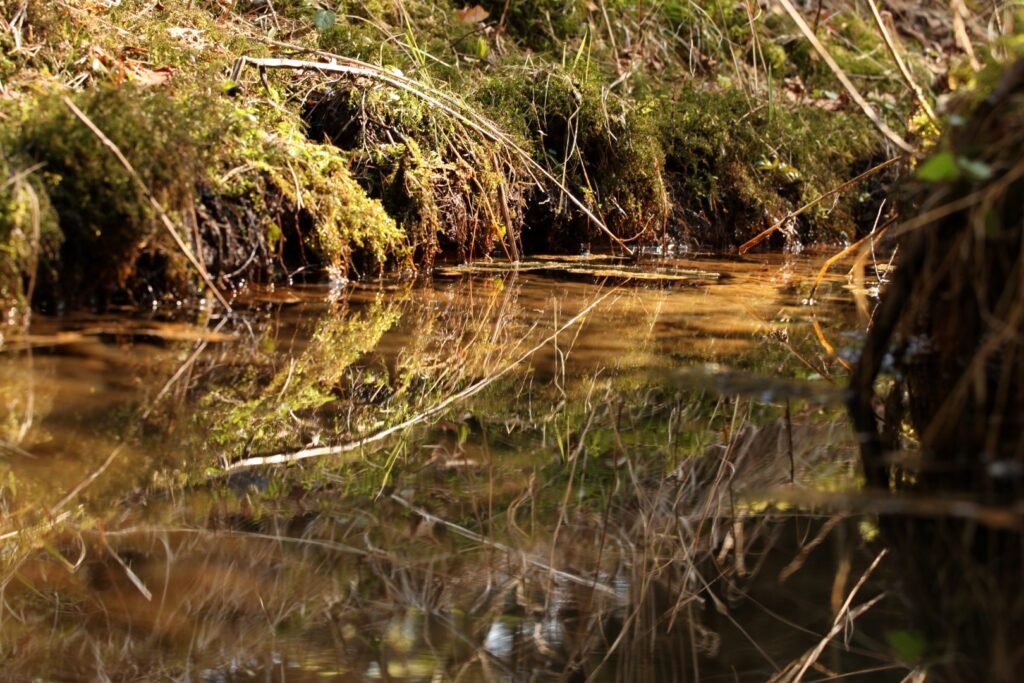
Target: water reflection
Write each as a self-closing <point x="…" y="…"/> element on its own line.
<point x="599" y="503"/>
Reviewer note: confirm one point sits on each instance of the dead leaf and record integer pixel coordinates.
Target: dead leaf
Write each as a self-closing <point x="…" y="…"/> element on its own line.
<point x="145" y="76"/>
<point x="472" y="15"/>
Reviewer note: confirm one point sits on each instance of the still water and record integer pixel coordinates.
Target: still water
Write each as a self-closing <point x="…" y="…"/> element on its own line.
<point x="573" y="469"/>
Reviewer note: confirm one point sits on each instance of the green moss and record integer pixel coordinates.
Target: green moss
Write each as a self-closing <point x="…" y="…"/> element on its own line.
<point x="105" y="222"/>
<point x="445" y="185"/>
<point x="539" y="24"/>
<point x="734" y="165"/>
<point x="604" y="148"/>
<point x="315" y="178"/>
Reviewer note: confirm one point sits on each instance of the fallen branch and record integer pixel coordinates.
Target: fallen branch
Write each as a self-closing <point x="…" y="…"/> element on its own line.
<point x="435" y="98"/>
<point x="471" y="390"/>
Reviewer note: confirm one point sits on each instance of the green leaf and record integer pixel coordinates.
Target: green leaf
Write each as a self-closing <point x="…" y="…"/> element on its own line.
<point x="324" y="19"/>
<point x="938" y="168"/>
<point x="909" y="646"/>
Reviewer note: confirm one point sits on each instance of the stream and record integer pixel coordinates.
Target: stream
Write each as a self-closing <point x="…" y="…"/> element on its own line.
<point x="573" y="469"/>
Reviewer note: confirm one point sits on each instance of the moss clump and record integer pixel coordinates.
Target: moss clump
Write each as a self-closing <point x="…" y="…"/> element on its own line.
<point x="197" y="154"/>
<point x="448" y="189"/>
<point x="326" y="211"/>
<point x="601" y="147"/>
<point x="105" y="223"/>
<point x="28" y="235"/>
<point x="733" y="166"/>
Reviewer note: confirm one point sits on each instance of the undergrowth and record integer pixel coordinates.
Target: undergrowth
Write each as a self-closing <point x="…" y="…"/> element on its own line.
<point x="697" y="123"/>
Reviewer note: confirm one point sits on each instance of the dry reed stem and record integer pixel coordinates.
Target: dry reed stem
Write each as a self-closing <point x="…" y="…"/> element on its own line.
<point x="960" y="31"/>
<point x="164" y="218"/>
<point x="868" y="110"/>
<point x="904" y="71"/>
<point x="845" y="616"/>
<point x="794" y="566"/>
<point x="765" y="234"/>
<point x="434" y="97"/>
<point x="234" y="533"/>
<point x="875" y="234"/>
<point x="89" y="480"/>
<point x="473" y="389"/>
<point x="1006" y="517"/>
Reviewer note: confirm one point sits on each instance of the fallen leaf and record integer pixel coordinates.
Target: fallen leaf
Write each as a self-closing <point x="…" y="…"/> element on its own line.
<point x="472" y="15"/>
<point x="145" y="76"/>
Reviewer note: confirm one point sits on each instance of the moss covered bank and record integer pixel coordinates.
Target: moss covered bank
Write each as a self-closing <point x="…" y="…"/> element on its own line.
<point x="463" y="132"/>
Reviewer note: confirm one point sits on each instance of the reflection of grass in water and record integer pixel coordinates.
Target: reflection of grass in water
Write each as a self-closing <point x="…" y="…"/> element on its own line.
<point x="331" y="579"/>
<point x="643" y="493"/>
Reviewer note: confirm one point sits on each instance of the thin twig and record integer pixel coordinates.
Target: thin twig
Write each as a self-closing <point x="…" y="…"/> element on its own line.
<point x="904" y="71"/>
<point x="844" y="616"/>
<point x="479" y="538"/>
<point x="873" y="236"/>
<point x="764" y="234"/>
<point x="88" y="481"/>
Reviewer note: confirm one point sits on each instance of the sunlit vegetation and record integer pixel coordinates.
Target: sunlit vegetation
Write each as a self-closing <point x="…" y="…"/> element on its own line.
<point x="292" y="386"/>
<point x="692" y="124"/>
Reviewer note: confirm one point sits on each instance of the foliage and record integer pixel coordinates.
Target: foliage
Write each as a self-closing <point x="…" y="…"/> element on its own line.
<point x="601" y="146"/>
<point x="732" y="177"/>
<point x="99" y="207"/>
<point x="590" y="91"/>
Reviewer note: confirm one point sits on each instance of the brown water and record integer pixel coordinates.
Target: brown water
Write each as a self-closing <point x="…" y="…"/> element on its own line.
<point x="571" y="470"/>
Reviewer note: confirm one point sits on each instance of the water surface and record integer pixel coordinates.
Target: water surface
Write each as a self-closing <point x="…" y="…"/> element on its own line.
<point x="573" y="469"/>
